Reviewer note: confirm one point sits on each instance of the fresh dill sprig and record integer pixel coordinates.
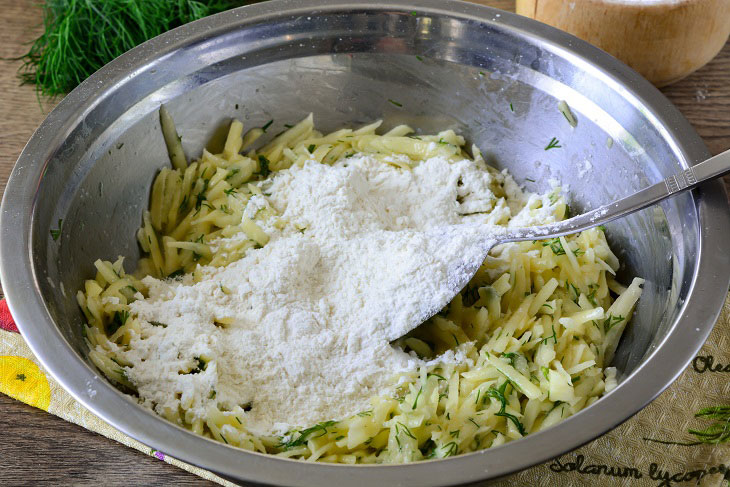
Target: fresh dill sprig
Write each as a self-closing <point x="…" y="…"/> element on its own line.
<point x="81" y="36"/>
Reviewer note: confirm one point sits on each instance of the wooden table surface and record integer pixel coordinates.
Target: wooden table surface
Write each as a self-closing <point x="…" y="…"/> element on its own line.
<point x="38" y="448"/>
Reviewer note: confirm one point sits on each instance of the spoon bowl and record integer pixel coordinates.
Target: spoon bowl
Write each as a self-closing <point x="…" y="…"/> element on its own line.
<point x="464" y="269"/>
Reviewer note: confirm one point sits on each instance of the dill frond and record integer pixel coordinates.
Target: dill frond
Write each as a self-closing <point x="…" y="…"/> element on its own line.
<point x="81" y="36"/>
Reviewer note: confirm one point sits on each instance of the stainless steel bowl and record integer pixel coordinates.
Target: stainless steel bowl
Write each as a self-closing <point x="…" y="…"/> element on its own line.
<point x="435" y="64"/>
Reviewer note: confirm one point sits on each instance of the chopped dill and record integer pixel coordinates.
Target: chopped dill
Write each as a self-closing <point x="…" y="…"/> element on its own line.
<point x="183" y="204"/>
<point x="611" y="321"/>
<point x="551" y="337"/>
<point x="305" y="434"/>
<point x="57" y="233"/>
<point x="511" y="357"/>
<point x="232" y="173"/>
<point x="176" y="274"/>
<point x="415" y="402"/>
<point x="200" y="365"/>
<point x="267" y="125"/>
<point x="450" y="449"/>
<point x="553" y="144"/>
<point x="555" y="245"/>
<point x="264" y="165"/>
<point x="399" y="105"/>
<point x="118" y="321"/>
<point x="499" y="395"/>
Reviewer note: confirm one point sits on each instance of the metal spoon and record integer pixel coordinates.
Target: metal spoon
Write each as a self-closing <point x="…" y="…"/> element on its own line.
<point x="463" y="271"/>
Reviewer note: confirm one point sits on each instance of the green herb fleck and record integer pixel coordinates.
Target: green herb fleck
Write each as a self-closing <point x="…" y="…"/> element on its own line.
<point x="511" y="357"/>
<point x="200" y="365"/>
<point x="553" y="336"/>
<point x="57" y="233"/>
<point x="264" y="164"/>
<point x="305" y="434"/>
<point x="499" y="395"/>
<point x="267" y="125"/>
<point x="183" y="204"/>
<point x="232" y="173"/>
<point x="200" y="197"/>
<point x="158" y="323"/>
<point x="450" y="449"/>
<point x="553" y="144"/>
<point x="176" y="274"/>
<point x="399" y="105"/>
<point x="415" y="402"/>
<point x="555" y="245"/>
<point x="311" y="148"/>
<point x="119" y="319"/>
<point x="591" y="296"/>
<point x="611" y="321"/>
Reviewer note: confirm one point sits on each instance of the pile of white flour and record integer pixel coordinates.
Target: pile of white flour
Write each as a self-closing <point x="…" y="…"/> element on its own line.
<point x="367" y="247"/>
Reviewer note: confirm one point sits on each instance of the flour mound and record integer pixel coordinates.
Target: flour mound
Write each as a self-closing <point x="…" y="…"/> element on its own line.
<point x="366" y="247"/>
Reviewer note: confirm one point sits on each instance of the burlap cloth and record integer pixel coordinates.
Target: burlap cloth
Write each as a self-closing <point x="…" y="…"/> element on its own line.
<point x="680" y="439"/>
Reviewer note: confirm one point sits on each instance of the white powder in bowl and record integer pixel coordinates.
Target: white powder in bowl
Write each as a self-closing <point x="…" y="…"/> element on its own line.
<point x="310" y="314"/>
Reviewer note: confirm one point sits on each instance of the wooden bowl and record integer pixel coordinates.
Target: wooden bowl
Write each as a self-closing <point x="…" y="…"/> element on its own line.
<point x="664" y="40"/>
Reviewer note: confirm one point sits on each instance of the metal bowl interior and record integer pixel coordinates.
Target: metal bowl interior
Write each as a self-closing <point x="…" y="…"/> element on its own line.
<point x="494" y="77"/>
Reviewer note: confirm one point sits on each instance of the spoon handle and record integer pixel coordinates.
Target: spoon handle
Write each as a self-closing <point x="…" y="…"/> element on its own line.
<point x="712" y="168"/>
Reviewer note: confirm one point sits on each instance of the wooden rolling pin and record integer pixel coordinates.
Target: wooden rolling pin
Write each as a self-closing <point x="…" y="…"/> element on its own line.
<point x="664" y="40"/>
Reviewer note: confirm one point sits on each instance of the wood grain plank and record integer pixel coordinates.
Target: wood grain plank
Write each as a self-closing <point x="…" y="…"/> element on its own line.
<point x="40" y="449"/>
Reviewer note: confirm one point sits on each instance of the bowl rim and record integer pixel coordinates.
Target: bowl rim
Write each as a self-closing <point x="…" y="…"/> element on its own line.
<point x="17" y="271"/>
